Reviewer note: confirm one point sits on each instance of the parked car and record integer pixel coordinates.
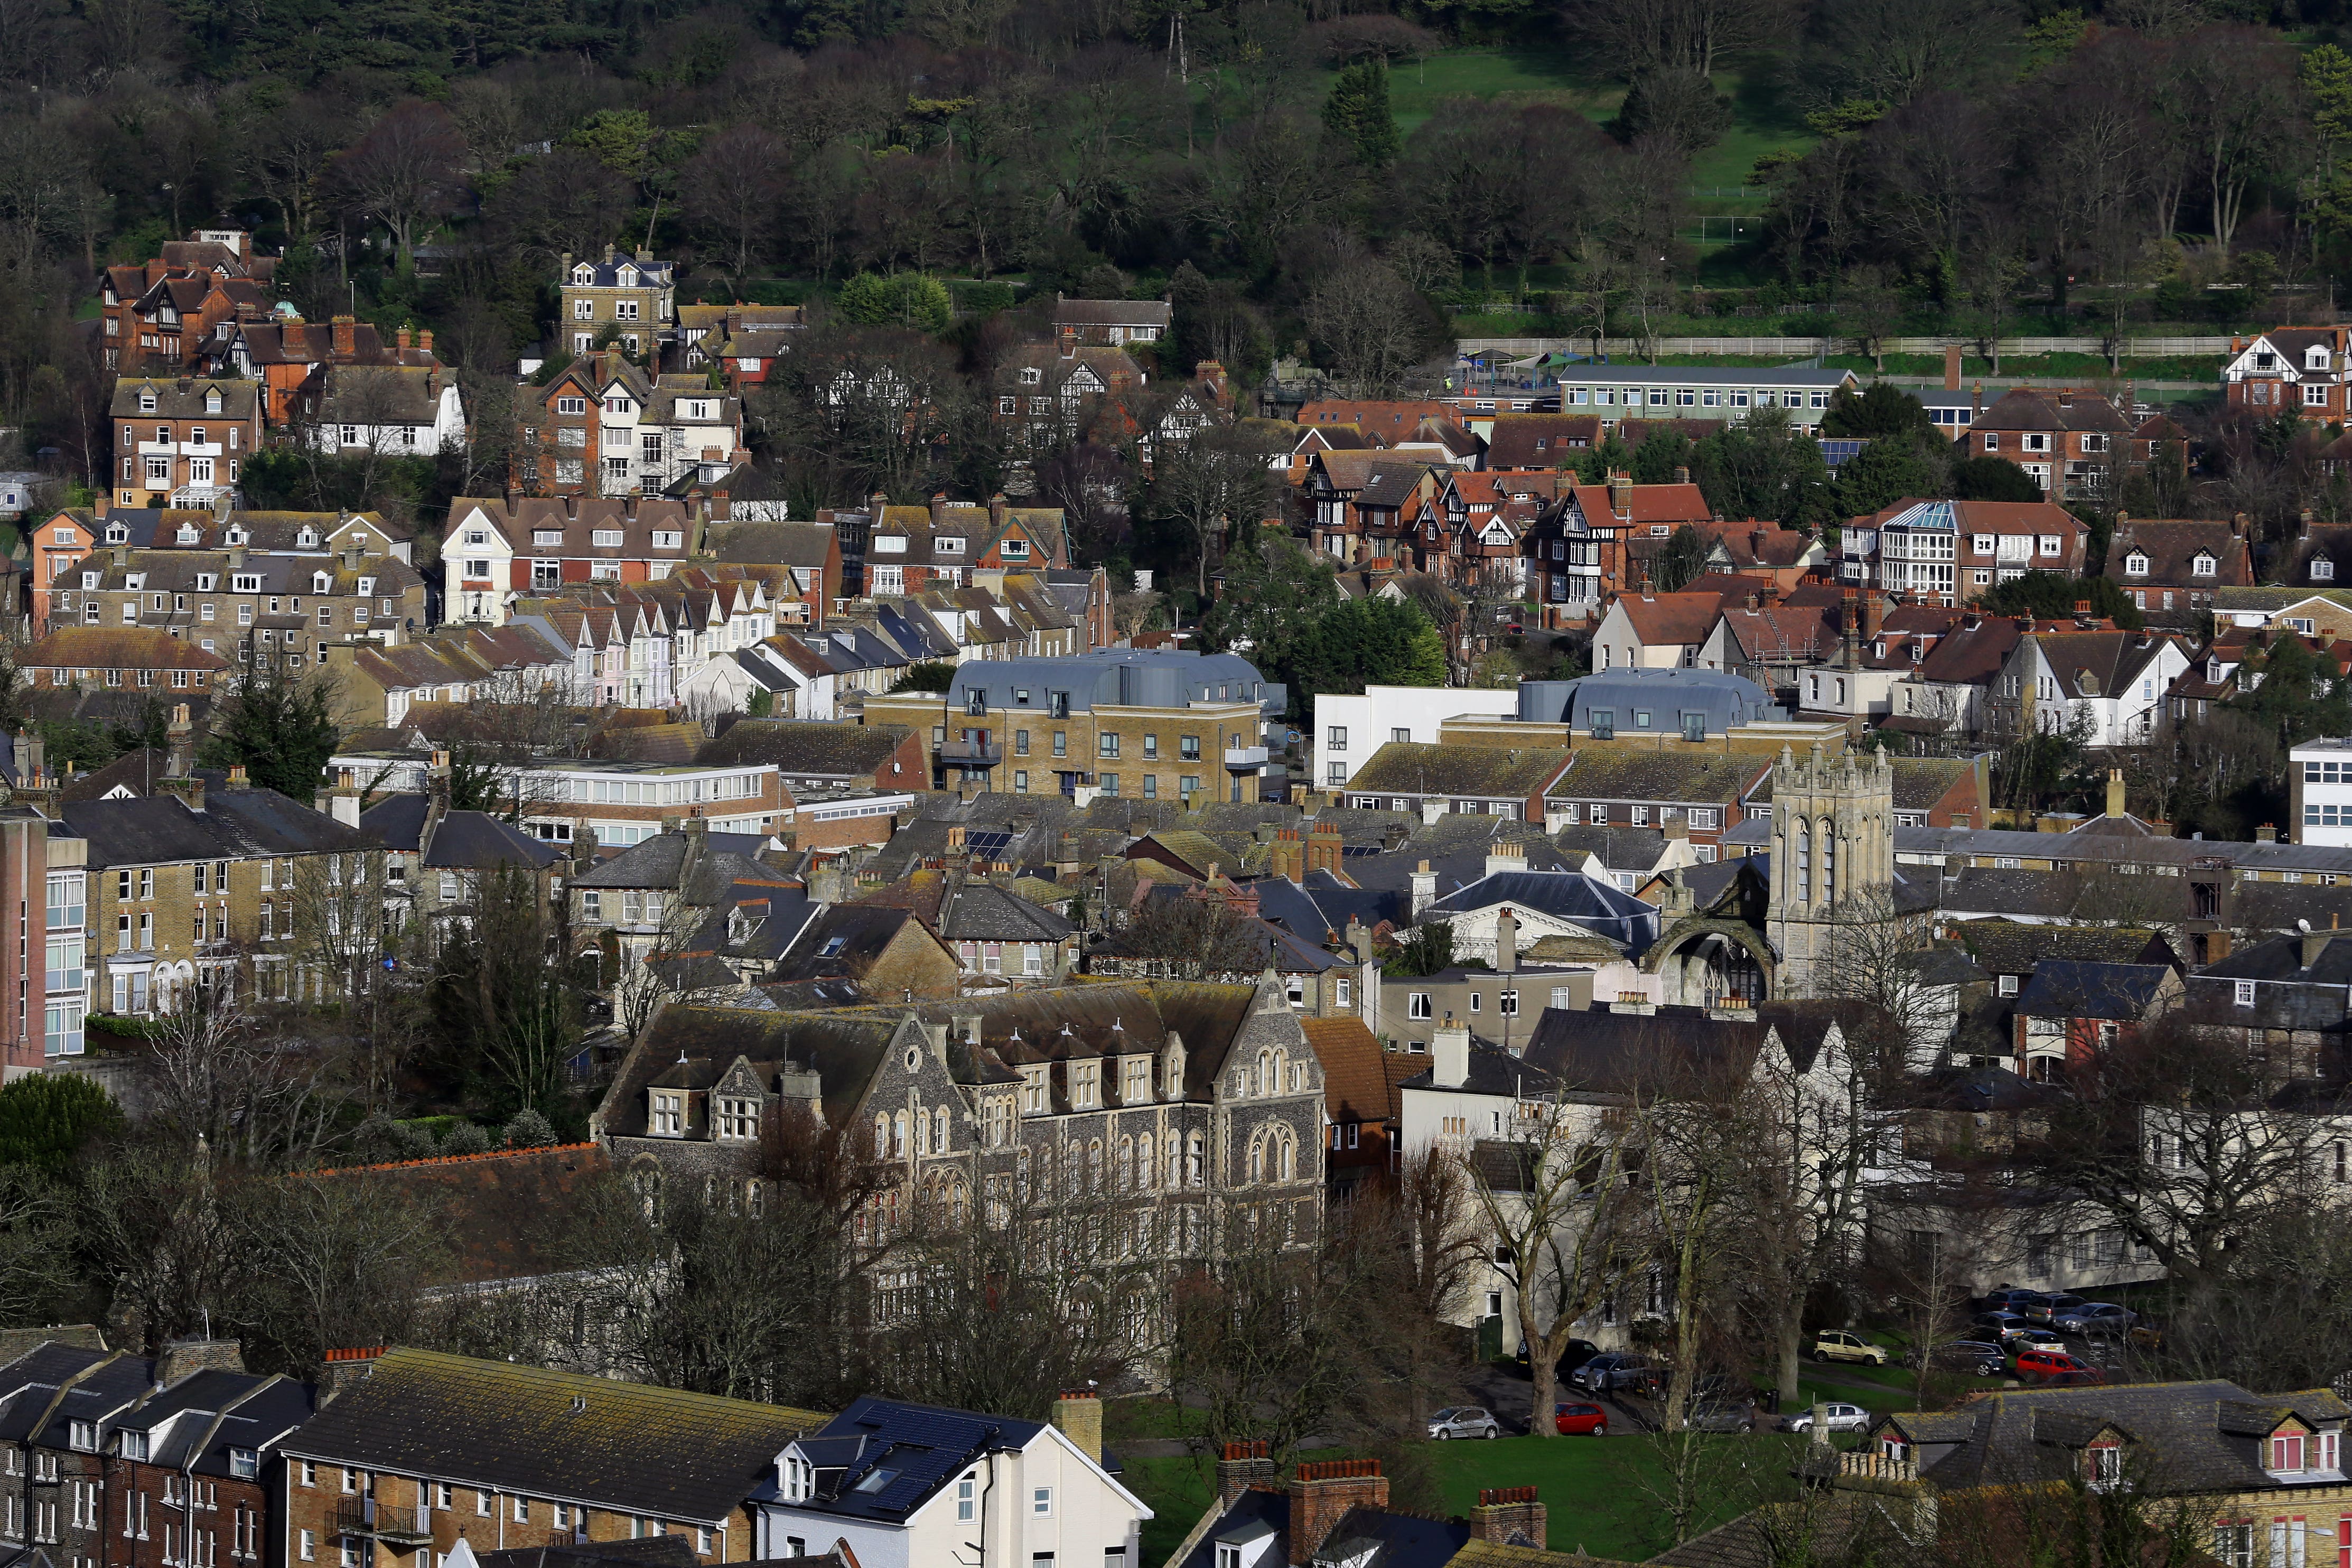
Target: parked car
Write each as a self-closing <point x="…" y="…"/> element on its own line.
<point x="1841" y="1418"/>
<point x="1575" y="1355"/>
<point x="1463" y="1421"/>
<point x="2098" y="1319"/>
<point x="1844" y="1344"/>
<point x="2146" y="1336"/>
<point x="1612" y="1370"/>
<point x="2039" y="1365"/>
<point x="2008" y="1299"/>
<point x="2037" y="1340"/>
<point x="1580" y="1420"/>
<point x="1998" y="1326"/>
<point x="1978" y="1356"/>
<point x="2074" y="1378"/>
<point x="1722" y="1415"/>
<point x="2050" y="1308"/>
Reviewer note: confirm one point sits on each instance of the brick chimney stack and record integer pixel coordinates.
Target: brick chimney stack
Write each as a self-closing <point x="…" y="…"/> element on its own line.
<point x="1078" y="1415"/>
<point x="1239" y="1466"/>
<point x="345" y="1367"/>
<point x="1323" y="848"/>
<point x="1322" y="1495"/>
<point x="345" y="336"/>
<point x="1508" y="1516"/>
<point x="1288" y="858"/>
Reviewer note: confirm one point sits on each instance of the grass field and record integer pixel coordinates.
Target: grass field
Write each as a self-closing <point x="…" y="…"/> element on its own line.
<point x="1595" y="1489"/>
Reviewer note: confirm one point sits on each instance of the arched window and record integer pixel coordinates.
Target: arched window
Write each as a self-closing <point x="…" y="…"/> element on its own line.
<point x="1257" y="1160"/>
<point x="1282" y="1158"/>
<point x="940" y="1130"/>
<point x="1193" y="1151"/>
<point x="899" y="1136"/>
<point x="882" y="1137"/>
<point x="1828" y="860"/>
<point x="1144" y="1166"/>
<point x="755" y="1197"/>
<point x="1175" y="1164"/>
<point x="1266" y="1081"/>
<point x="1241" y="1083"/>
<point x="1126" y="1164"/>
<point x="1094" y="1165"/>
<point x="1804" y="849"/>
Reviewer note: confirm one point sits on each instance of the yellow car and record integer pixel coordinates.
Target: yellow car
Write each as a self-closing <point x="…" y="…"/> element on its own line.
<point x="1839" y="1344"/>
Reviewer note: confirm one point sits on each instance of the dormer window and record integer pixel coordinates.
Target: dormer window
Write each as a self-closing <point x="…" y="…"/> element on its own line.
<point x="187" y="534"/>
<point x="2323" y="570"/>
<point x="666" y="1117"/>
<point x="236" y="536"/>
<point x="2287" y="1452"/>
<point x="146" y="400"/>
<point x="2103" y="1464"/>
<point x="135" y="581"/>
<point x="89" y="579"/>
<point x="82" y="1435"/>
<point x="204" y="581"/>
<point x="246" y="583"/>
<point x="1030" y="377"/>
<point x="948" y="543"/>
<point x="583" y="273"/>
<point x="2315" y="359"/>
<point x="796" y="1478"/>
<point x="117" y="534"/>
<point x="321" y="582"/>
<point x="2203" y="566"/>
<point x="211" y="400"/>
<point x="2135" y="564"/>
<point x="367" y="587"/>
<point x="307" y="540"/>
<point x="133" y="1445"/>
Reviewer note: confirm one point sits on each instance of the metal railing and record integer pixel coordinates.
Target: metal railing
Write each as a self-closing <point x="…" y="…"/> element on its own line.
<point x="384" y="1522"/>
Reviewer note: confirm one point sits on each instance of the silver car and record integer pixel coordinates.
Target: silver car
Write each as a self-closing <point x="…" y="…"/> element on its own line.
<point x="1463" y="1421"/>
<point x="1841" y="1418"/>
<point x="2099" y="1320"/>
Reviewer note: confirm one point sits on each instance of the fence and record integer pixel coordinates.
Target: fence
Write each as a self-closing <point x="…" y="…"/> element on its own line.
<point x="1807" y="348"/>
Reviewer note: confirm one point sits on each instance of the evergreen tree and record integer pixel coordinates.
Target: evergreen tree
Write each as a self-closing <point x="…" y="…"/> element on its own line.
<point x="1885" y="410"/>
<point x="1358" y="110"/>
<point x="1887" y="470"/>
<point x="1611" y="457"/>
<point x="1366" y="642"/>
<point x="1656" y="458"/>
<point x="2048" y="595"/>
<point x="46" y="1118"/>
<point x="1763" y="468"/>
<point x="1992" y="478"/>
<point x="281" y="728"/>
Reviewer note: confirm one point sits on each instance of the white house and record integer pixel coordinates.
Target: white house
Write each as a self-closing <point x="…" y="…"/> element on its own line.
<point x="912" y="1486"/>
<point x="2113" y="683"/>
<point x="1654" y="631"/>
<point x="1349" y="730"/>
<point x="2319" y="782"/>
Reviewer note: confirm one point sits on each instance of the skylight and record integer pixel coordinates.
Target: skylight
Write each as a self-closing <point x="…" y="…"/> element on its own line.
<point x="875" y="1479"/>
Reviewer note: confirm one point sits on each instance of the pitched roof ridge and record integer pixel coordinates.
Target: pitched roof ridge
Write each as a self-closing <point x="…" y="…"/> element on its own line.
<point x="453" y="1159"/>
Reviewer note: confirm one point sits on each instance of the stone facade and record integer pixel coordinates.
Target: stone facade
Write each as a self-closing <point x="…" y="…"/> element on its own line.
<point x="1833" y="856"/>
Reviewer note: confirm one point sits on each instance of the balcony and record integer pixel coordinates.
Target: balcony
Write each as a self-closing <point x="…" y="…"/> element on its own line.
<point x="975" y="755"/>
<point x="1245" y="759"/>
<point x="370" y="1519"/>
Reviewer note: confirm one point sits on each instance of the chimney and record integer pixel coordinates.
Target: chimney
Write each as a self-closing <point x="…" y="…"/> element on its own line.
<point x="2114" y="792"/>
<point x="1238" y="1468"/>
<point x="1323" y="848"/>
<point x="1322" y="1495"/>
<point x="179" y="743"/>
<point x="1506" y="944"/>
<point x="236" y="779"/>
<point x="2217" y="946"/>
<point x="404" y="339"/>
<point x="1621" y="494"/>
<point x="1289" y="857"/>
<point x="182" y="1357"/>
<point x="2267" y="834"/>
<point x="28" y="758"/>
<point x="1976" y="402"/>
<point x="425" y="340"/>
<point x="1951" y="367"/>
<point x="1424" y="888"/>
<point x="345" y="1367"/>
<point x="1682" y="475"/>
<point x="939" y="508"/>
<point x="996" y="508"/>
<point x="2315" y="943"/>
<point x="1077" y="1415"/>
<point x="1873" y="613"/>
<point x="1449" y="1054"/>
<point x="437" y="782"/>
<point x="346" y="336"/>
<point x="1507" y="856"/>
<point x="1508" y="1516"/>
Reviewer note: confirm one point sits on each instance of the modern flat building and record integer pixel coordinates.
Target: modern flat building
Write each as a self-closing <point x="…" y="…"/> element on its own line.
<point x="2319" y="785"/>
<point x="1348" y="729"/>
<point x="1619" y="392"/>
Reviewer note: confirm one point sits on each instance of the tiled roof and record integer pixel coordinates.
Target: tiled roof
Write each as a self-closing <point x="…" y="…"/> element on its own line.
<point x="1111" y="312"/>
<point x="1414" y="768"/>
<point x="1665" y="620"/>
<point x="490" y="1210"/>
<point x="1359" y="1078"/>
<point x="1601" y="773"/>
<point x="185" y="398"/>
<point x="626" y="1446"/>
<point x="2171" y="546"/>
<point x="1540" y="441"/>
<point x="116" y="648"/>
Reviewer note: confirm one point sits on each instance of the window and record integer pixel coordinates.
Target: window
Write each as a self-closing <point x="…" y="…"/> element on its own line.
<point x="1417" y="1004"/>
<point x="1338" y="736"/>
<point x="1040" y="1502"/>
<point x="2243" y="993"/>
<point x="522" y="1510"/>
<point x="310" y="1546"/>
<point x="2286" y="1452"/>
<point x="967" y="1500"/>
<point x="1107" y="745"/>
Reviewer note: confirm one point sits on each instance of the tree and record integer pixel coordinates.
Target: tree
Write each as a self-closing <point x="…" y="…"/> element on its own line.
<point x="2047" y="595"/>
<point x="2237" y="90"/>
<point x="329" y="1256"/>
<point x="1763" y="467"/>
<point x="1272" y="587"/>
<point x="219" y="1075"/>
<point x="1687" y="36"/>
<point x="1192" y="938"/>
<point x="1357" y="112"/>
<point x="1216" y="482"/>
<point x="1881" y="409"/>
<point x="1993" y="478"/>
<point x="402" y="173"/>
<point x="1889" y="469"/>
<point x="1683" y="558"/>
<point x="730" y="189"/>
<point x="1361" y="642"/>
<point x="514" y="1011"/>
<point x="279" y="727"/>
<point x="49" y="1118"/>
<point x="1372" y="325"/>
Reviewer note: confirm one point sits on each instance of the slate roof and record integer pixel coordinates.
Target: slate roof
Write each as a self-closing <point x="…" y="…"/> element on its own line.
<point x="2012" y="947"/>
<point x="2029" y="408"/>
<point x="2077" y="988"/>
<point x="1601" y="774"/>
<point x="1360" y="1535"/>
<point x="2112" y="660"/>
<point x="184" y="398"/>
<point x="1410" y="767"/>
<point x="2170" y="545"/>
<point x="116" y="648"/>
<point x="193" y="1423"/>
<point x="920" y="1448"/>
<point x="627" y="1447"/>
<point x="1563" y="895"/>
<point x="647" y="1552"/>
<point x="475" y="840"/>
<point x="1540" y="441"/>
<point x="660" y="861"/>
<point x="234" y="824"/>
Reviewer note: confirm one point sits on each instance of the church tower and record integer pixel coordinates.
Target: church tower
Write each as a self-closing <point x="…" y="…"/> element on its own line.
<point x="1833" y="856"/>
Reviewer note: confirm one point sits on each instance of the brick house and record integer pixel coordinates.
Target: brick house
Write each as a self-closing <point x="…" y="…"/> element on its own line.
<point x="293" y="360"/>
<point x="743" y="340"/>
<point x="1113" y="322"/>
<point x="183" y="441"/>
<point x="499" y="547"/>
<point x="2073" y="443"/>
<point x="145" y="1462"/>
<point x="2175" y="565"/>
<point x="1948" y="553"/>
<point x="606" y="428"/>
<point x="1361" y="1110"/>
<point x="248" y="608"/>
<point x="1047" y="393"/>
<point x="161" y="317"/>
<point x="1487" y="781"/>
<point x="70" y="537"/>
<point x="810" y="551"/>
<point x="1540" y="443"/>
<point x="2300" y="370"/>
<point x="1584" y="540"/>
<point x="812" y="756"/>
<point x="635" y="296"/>
<point x="412" y="1451"/>
<point x="130" y="658"/>
<point x="913" y="549"/>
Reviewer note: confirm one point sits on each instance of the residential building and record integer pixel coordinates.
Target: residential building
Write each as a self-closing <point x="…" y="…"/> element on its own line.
<point x="1362" y="1112"/>
<point x="1050" y="394"/>
<point x="1950" y="552"/>
<point x="743" y="340"/>
<point x="1654" y="631"/>
<point x="2072" y="1010"/>
<point x="182" y="442"/>
<point x="2172" y="567"/>
<point x="914" y="548"/>
<point x="295" y="362"/>
<point x="2285" y="1001"/>
<point x="209" y="881"/>
<point x="1480" y="780"/>
<point x="396" y="410"/>
<point x="1705" y="795"/>
<point x="1500" y="919"/>
<point x="72" y="535"/>
<point x="135" y="658"/>
<point x="2069" y="442"/>
<point x="1617" y="392"/>
<point x="436" y="858"/>
<point x="2318" y="557"/>
<point x="1539" y="443"/>
<point x="522" y="545"/>
<point x="156" y="319"/>
<point x="1774" y="645"/>
<point x="1152" y="725"/>
<point x="998" y="937"/>
<point x="1347" y="730"/>
<point x="44" y="979"/>
<point x="1338" y="1511"/>
<point x="1110" y="321"/>
<point x="377" y="684"/>
<point x="812" y="758"/>
<point x="621" y="801"/>
<point x="2107" y="685"/>
<point x="253" y="608"/>
<point x="413" y="1451"/>
<point x="632" y="298"/>
<point x="2303" y="371"/>
<point x="2320" y="792"/>
<point x="1382" y="421"/>
<point x="1584" y="542"/>
<point x="902" y="1485"/>
<point x="602" y="427"/>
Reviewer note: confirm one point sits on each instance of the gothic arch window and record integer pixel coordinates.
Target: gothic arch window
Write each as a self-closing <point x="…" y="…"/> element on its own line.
<point x="1194" y="1149"/>
<point x="1144" y="1166"/>
<point x="1828" y="860"/>
<point x="1094" y="1165"/>
<point x="1257" y="1160"/>
<point x="1126" y="1164"/>
<point x="899" y="1136"/>
<point x="882" y="1137"/>
<point x="1284" y="1157"/>
<point x="1804" y="842"/>
<point x="940" y="1130"/>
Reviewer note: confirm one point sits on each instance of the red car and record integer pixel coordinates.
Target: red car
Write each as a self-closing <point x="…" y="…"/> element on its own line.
<point x="2057" y="1368"/>
<point x="1582" y="1421"/>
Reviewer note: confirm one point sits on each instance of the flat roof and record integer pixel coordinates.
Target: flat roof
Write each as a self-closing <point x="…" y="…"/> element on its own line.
<point x="1702" y="375"/>
<point x="2326" y="743"/>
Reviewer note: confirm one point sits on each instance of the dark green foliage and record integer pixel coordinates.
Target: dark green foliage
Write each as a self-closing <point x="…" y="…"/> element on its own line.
<point x="1993" y="478"/>
<point x="280" y="728"/>
<point x="1684" y="558"/>
<point x="1429" y="950"/>
<point x="1213" y="320"/>
<point x="1364" y="642"/>
<point x="927" y="677"/>
<point x="1660" y="457"/>
<point x="1358" y="111"/>
<point x="1762" y="468"/>
<point x="1883" y="409"/>
<point x="907" y="299"/>
<point x="46" y="1118"/>
<point x="1889" y="469"/>
<point x="511" y="1017"/>
<point x="1611" y="457"/>
<point x="2300" y="694"/>
<point x="1679" y="108"/>
<point x="2047" y="595"/>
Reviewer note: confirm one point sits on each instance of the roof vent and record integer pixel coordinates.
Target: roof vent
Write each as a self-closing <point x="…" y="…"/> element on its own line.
<point x="579" y="1404"/>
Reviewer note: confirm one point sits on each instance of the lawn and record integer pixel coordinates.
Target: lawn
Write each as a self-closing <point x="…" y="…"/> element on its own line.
<point x="1592" y="1488"/>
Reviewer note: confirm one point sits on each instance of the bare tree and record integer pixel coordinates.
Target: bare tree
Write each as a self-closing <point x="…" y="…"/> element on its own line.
<point x="731" y="187"/>
<point x="1207" y="486"/>
<point x="1685" y="35"/>
<point x="332" y="1257"/>
<point x="220" y="1075"/>
<point x="401" y="174"/>
<point x="1373" y="325"/>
